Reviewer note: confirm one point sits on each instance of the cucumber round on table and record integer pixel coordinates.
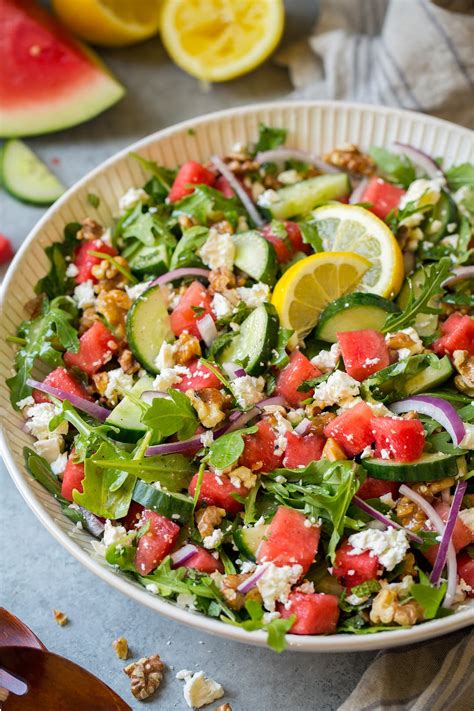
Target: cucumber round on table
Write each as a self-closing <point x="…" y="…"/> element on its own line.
<point x="127" y="414"/>
<point x="253" y="344"/>
<point x="352" y="313"/>
<point x="428" y="468"/>
<point x="444" y="213"/>
<point x="148" y="325"/>
<point x="255" y="256"/>
<point x="26" y="177"/>
<point x="248" y="539"/>
<point x="175" y="506"/>
<point x="302" y="197"/>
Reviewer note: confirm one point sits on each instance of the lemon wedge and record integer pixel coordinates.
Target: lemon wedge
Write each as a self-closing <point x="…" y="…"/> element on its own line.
<point x="311" y="284"/>
<point x="217" y="40"/>
<point x="355" y="229"/>
<point x="110" y="23"/>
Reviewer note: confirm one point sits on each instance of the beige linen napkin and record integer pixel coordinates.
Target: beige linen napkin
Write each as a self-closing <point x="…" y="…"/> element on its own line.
<point x="417" y="54"/>
<point x="424" y="677"/>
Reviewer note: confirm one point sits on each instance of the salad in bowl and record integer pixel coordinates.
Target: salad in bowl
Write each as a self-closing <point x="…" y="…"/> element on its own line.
<point x="254" y="388"/>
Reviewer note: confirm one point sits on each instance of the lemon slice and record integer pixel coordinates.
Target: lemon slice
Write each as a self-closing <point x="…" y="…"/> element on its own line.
<point x="311" y="284"/>
<point x="352" y="228"/>
<point x="217" y="40"/>
<point x="111" y="23"/>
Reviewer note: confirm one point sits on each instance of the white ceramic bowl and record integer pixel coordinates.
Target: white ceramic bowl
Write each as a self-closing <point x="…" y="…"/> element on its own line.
<point x="314" y="126"/>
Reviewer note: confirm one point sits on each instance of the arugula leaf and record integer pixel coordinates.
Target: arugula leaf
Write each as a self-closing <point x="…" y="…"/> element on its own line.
<point x="276" y="631"/>
<point x="269" y="138"/>
<point x="171" y="416"/>
<point x="358" y="625"/>
<point x="173" y="471"/>
<point x="460" y="175"/>
<point x="56" y="283"/>
<point x="185" y="254"/>
<point x="89" y="436"/>
<point x="51" y="325"/>
<point x="322" y="489"/>
<point x="41" y="471"/>
<point x="390" y="384"/>
<point x="367" y="588"/>
<point x="310" y="234"/>
<point x="434" y="276"/>
<point x="428" y="596"/>
<point x="250" y="513"/>
<point x="393" y="167"/>
<point x="93" y="200"/>
<point x="149" y="228"/>
<point x="160" y="184"/>
<point x="207" y="205"/>
<point x="227" y="449"/>
<point x="219" y="343"/>
<point x="106" y="492"/>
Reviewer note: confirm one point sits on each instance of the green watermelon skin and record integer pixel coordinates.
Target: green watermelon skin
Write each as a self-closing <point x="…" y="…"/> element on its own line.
<point x="49" y="80"/>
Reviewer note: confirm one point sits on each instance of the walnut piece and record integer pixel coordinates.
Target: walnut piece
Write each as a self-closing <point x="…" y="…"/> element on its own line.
<point x="387" y="608"/>
<point x="100" y="381"/>
<point x="235" y="599"/>
<point x="89" y="316"/>
<point x="221" y="280"/>
<point x="128" y="363"/>
<point x="349" y="157"/>
<point x="207" y="519"/>
<point x="186" y="348"/>
<point x="398" y="340"/>
<point x="121" y="647"/>
<point x="224" y="707"/>
<point x="145" y="676"/>
<point x="209" y="404"/>
<point x="185" y="222"/>
<point x="464" y="364"/>
<point x="109" y="276"/>
<point x="90" y="230"/>
<point x="320" y="420"/>
<point x="243" y="476"/>
<point x="114" y="305"/>
<point x="333" y="451"/>
<point x="60" y="617"/>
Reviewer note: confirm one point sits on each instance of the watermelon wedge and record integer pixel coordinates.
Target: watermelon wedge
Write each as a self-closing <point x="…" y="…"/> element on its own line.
<point x="49" y="80"/>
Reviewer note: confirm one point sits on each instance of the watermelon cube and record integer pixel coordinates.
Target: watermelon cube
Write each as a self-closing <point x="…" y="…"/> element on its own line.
<point x="72" y="478"/>
<point x="204" y="561"/>
<point x="316" y="613"/>
<point x="302" y="449"/>
<point x="398" y="439"/>
<point x="199" y="377"/>
<point x="458" y="335"/>
<point x="191" y="173"/>
<point x="259" y="452"/>
<point x="292" y="375"/>
<point x="352" y="570"/>
<point x="192" y="306"/>
<point x="85" y="261"/>
<point x="62" y="380"/>
<point x="466" y="571"/>
<point x="96" y="347"/>
<point x="352" y="429"/>
<point x="462" y="535"/>
<point x="364" y="352"/>
<point x="217" y="491"/>
<point x="383" y="197"/>
<point x="156" y="543"/>
<point x="289" y="540"/>
<point x="375" y="488"/>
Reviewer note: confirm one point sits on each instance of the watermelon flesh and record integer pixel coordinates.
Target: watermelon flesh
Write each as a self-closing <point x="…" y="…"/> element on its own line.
<point x="49" y="80"/>
<point x="316" y="613"/>
<point x="289" y="540"/>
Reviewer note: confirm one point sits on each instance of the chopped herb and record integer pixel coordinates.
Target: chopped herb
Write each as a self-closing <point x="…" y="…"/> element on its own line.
<point x="269" y="138"/>
<point x="93" y="200"/>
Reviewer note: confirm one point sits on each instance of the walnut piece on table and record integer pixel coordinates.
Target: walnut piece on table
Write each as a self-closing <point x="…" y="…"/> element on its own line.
<point x="145" y="675"/>
<point x="224" y="707"/>
<point x="121" y="647"/>
<point x="60" y="617"/>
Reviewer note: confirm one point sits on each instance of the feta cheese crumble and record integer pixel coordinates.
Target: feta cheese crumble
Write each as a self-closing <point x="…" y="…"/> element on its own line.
<point x="254" y="296"/>
<point x="72" y="270"/>
<point x="59" y="464"/>
<point x="339" y="389"/>
<point x="276" y="582"/>
<point x="133" y="292"/>
<point x="221" y="306"/>
<point x="218" y="250"/>
<point x="199" y="690"/>
<point x="131" y="198"/>
<point x="165" y="357"/>
<point x="214" y="540"/>
<point x="248" y="390"/>
<point x="84" y="294"/>
<point x="49" y="449"/>
<point x="390" y="545"/>
<point x="113" y="535"/>
<point x="268" y="198"/>
<point x="169" y="377"/>
<point x="39" y="416"/>
<point x="118" y="382"/>
<point x="327" y="360"/>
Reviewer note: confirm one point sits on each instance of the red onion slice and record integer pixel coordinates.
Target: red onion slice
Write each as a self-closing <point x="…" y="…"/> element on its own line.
<point x="181" y="274"/>
<point x="438" y="525"/>
<point x="364" y="506"/>
<point x="438" y="409"/>
<point x="183" y="554"/>
<point x="303" y="426"/>
<point x="274" y="400"/>
<point x="207" y="329"/>
<point x="93" y="524"/>
<point x="92" y="409"/>
<point x="242" y="420"/>
<point x="442" y="554"/>
<point x="239" y="190"/>
<point x="253" y="580"/>
<point x="421" y="159"/>
<point x="233" y="370"/>
<point x="279" y="155"/>
<point x="357" y="193"/>
<point x="459" y="274"/>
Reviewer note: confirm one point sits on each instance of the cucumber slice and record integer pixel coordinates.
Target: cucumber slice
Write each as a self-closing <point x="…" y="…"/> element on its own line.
<point x="248" y="540"/>
<point x="175" y="506"/>
<point x="444" y="213"/>
<point x="255" y="341"/>
<point x="255" y="256"/>
<point x="151" y="261"/>
<point x="148" y="325"/>
<point x="26" y="177"/>
<point x="425" y="324"/>
<point x="127" y="415"/>
<point x="302" y="197"/>
<point x="352" y="313"/>
<point x="428" y="468"/>
<point x="432" y="376"/>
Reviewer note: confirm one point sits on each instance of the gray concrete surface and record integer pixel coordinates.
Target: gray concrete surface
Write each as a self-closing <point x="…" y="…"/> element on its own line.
<point x="36" y="573"/>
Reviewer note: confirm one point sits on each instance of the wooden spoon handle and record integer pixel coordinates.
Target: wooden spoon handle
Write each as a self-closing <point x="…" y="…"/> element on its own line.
<point x="14" y="633"/>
